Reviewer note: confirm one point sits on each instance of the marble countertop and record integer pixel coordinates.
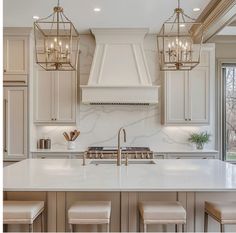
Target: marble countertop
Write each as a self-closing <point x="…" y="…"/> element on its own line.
<point x="160" y="151"/>
<point x="77" y="150"/>
<point x="164" y="175"/>
<point x="185" y="151"/>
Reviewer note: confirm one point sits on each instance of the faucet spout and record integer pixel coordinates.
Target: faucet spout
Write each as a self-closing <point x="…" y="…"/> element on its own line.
<point x="119" y="150"/>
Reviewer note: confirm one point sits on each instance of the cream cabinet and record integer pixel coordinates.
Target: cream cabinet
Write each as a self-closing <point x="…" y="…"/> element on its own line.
<point x="188" y="94"/>
<point x="176" y="99"/>
<point x="198" y="95"/>
<point x="55" y="97"/>
<point x="15" y="127"/>
<point x="15" y="59"/>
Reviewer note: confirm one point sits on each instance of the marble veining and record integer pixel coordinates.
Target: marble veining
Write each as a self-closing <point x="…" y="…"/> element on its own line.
<point x="99" y="124"/>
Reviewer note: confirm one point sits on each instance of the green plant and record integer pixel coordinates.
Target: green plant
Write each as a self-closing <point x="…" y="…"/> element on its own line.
<point x="199" y="139"/>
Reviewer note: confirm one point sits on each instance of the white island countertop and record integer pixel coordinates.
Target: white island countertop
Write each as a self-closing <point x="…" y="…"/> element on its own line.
<point x="165" y="175"/>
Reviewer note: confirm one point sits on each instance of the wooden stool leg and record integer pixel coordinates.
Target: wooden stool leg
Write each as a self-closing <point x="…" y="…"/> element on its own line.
<point x="4" y="227"/>
<point x="140" y="224"/>
<point x="183" y="227"/>
<point x="42" y="222"/>
<point x="31" y="228"/>
<point x="222" y="229"/>
<point x="144" y="227"/>
<point x="206" y="222"/>
<point x="71" y="227"/>
<point x="176" y="227"/>
<point x="108" y="227"/>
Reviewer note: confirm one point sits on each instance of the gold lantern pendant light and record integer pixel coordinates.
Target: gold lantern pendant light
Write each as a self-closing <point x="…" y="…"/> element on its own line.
<point x="177" y="50"/>
<point x="56" y="42"/>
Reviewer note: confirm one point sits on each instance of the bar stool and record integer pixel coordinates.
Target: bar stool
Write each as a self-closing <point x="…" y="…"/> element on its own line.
<point x="222" y="212"/>
<point x="162" y="212"/>
<point x="23" y="212"/>
<point x="90" y="212"/>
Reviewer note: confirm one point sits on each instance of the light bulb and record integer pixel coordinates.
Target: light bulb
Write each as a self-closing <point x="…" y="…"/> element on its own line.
<point x="52" y="45"/>
<point x="55" y="39"/>
<point x="60" y="43"/>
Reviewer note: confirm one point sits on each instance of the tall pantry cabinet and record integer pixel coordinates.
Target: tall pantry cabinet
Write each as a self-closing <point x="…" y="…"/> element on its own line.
<point x="15" y="93"/>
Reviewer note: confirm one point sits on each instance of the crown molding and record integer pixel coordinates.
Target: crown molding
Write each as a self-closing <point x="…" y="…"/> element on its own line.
<point x="216" y="15"/>
<point x="228" y="39"/>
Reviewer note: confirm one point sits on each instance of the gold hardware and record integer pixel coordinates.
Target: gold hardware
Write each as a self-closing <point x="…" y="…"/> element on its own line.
<point x="119" y="148"/>
<point x="175" y="42"/>
<point x="126" y="159"/>
<point x="13" y="81"/>
<point x="56" y="42"/>
<point x="57" y="9"/>
<point x="84" y="158"/>
<point x="5" y="125"/>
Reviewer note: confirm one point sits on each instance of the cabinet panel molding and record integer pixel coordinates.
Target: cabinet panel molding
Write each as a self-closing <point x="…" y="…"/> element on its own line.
<point x="55" y="97"/>
<point x="187" y="93"/>
<point x="15" y="123"/>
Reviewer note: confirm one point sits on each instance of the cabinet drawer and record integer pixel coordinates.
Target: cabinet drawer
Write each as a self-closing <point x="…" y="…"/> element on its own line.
<point x="15" y="80"/>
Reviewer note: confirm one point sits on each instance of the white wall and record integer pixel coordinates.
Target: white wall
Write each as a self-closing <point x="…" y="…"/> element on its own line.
<point x="99" y="124"/>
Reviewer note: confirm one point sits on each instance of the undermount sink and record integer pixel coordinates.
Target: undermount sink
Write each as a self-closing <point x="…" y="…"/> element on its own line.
<point x="131" y="162"/>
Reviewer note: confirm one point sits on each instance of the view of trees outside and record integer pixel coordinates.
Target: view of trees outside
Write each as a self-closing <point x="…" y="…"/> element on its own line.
<point x="230" y="107"/>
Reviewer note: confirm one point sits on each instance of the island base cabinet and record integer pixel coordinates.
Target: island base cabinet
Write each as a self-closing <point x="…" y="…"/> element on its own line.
<point x="125" y="213"/>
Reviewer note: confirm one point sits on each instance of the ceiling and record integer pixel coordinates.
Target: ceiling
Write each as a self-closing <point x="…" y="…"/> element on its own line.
<point x="228" y="31"/>
<point x="114" y="13"/>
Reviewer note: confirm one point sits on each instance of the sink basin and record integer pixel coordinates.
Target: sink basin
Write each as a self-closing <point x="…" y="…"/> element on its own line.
<point x="131" y="162"/>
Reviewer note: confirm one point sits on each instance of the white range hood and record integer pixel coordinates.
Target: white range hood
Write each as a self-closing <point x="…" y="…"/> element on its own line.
<point x="119" y="73"/>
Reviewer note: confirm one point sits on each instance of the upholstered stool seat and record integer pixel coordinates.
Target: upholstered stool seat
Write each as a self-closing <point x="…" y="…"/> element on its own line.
<point x="22" y="212"/>
<point x="90" y="212"/>
<point x="223" y="212"/>
<point x="162" y="212"/>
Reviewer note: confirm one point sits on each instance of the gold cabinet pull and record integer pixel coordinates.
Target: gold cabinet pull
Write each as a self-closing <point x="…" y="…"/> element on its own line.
<point x="13" y="81"/>
<point x="5" y="125"/>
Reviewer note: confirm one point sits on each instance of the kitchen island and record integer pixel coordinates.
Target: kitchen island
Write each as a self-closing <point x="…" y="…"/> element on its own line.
<point x="61" y="182"/>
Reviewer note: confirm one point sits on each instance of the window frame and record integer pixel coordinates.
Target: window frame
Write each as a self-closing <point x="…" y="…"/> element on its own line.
<point x="220" y="108"/>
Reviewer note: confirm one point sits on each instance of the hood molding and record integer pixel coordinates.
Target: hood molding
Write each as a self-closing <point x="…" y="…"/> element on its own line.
<point x="119" y="72"/>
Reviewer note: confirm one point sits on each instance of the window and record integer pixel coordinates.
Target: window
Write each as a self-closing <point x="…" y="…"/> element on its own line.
<point x="229" y="112"/>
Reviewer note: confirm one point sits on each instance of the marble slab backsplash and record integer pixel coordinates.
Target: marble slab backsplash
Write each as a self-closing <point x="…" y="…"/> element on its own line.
<point x="99" y="124"/>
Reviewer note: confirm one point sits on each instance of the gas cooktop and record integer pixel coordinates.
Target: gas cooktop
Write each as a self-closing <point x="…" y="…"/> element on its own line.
<point x="108" y="148"/>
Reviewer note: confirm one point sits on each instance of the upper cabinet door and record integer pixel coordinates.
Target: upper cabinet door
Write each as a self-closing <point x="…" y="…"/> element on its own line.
<point x="15" y="123"/>
<point x="199" y="95"/>
<point x="176" y="97"/>
<point x="15" y="55"/>
<point x="44" y="96"/>
<point x="65" y="96"/>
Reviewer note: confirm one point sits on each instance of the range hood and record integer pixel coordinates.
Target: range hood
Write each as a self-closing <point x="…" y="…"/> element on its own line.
<point x="119" y="72"/>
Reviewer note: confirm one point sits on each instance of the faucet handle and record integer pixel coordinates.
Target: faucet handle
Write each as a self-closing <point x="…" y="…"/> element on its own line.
<point x="127" y="159"/>
<point x="142" y="156"/>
